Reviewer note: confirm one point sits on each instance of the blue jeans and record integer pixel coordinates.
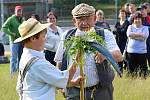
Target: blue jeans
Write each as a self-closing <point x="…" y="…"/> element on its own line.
<point x="15" y="55"/>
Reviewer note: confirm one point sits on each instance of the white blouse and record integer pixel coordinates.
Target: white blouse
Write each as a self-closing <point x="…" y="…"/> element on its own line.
<point x="53" y="39"/>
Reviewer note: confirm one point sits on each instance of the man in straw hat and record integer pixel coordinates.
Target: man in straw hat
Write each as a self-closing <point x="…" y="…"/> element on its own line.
<point x="37" y="77"/>
<point x="10" y="27"/>
<point x="95" y="88"/>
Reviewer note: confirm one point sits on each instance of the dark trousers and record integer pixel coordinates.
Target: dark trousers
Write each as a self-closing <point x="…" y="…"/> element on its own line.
<point x="101" y="93"/>
<point x="49" y="55"/>
<point x="137" y="62"/>
<point x="122" y="48"/>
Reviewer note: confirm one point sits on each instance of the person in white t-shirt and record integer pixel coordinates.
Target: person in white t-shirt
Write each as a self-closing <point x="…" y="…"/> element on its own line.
<point x="136" y="48"/>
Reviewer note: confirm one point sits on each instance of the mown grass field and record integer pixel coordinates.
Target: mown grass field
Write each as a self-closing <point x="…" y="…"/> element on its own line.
<point x="124" y="88"/>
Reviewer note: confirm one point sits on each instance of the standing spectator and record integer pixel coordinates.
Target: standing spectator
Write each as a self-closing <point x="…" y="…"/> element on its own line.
<point x="146" y="19"/>
<point x="146" y="22"/>
<point x="1" y="45"/>
<point x="136" y="48"/>
<point x="10" y="27"/>
<point x="100" y="22"/>
<point x="53" y="35"/>
<point x="147" y="4"/>
<point x="38" y="78"/>
<point x="1" y="49"/>
<point x="96" y="88"/>
<point x="132" y="10"/>
<point x="3" y="58"/>
<point x="121" y="36"/>
<point x="126" y="8"/>
<point x="36" y="16"/>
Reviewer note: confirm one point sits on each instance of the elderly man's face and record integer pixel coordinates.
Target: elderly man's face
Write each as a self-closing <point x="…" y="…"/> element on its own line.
<point x="84" y="23"/>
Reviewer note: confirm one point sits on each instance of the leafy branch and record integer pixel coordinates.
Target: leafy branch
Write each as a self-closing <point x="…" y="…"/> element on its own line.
<point x="75" y="43"/>
<point x="77" y="46"/>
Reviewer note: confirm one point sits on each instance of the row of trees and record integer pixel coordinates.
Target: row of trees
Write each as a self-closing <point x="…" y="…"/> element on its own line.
<point x="64" y="7"/>
<point x="71" y="3"/>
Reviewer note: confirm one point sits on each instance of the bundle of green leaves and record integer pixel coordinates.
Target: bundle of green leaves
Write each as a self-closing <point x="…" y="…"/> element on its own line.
<point x="75" y="43"/>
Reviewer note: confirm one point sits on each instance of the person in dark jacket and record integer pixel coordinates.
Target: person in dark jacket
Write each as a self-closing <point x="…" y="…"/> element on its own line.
<point x="100" y="22"/>
<point x="120" y="32"/>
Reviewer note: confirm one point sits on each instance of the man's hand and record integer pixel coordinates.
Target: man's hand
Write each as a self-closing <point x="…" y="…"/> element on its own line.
<point x="77" y="81"/>
<point x="99" y="58"/>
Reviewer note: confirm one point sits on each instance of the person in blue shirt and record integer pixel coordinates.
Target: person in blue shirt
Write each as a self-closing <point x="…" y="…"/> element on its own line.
<point x="41" y="79"/>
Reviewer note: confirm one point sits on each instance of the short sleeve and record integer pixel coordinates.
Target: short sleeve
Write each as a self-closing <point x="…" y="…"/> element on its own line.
<point x="110" y="41"/>
<point x="60" y="50"/>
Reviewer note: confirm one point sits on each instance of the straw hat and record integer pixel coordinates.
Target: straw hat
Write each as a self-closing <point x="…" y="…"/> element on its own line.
<point x="29" y="28"/>
<point x="83" y="10"/>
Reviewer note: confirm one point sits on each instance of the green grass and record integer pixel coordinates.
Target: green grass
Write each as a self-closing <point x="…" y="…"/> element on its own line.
<point x="131" y="89"/>
<point x="124" y="88"/>
<point x="7" y="85"/>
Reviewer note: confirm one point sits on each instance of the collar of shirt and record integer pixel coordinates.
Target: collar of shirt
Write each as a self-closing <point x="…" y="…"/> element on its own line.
<point x="34" y="53"/>
<point x="81" y="33"/>
<point x="27" y="55"/>
<point x="50" y="29"/>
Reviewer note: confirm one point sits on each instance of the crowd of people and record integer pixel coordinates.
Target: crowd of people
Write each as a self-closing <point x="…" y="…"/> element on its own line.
<point x="132" y="35"/>
<point x="38" y="52"/>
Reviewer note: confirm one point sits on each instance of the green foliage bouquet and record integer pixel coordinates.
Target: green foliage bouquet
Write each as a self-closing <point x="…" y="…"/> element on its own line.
<point x="75" y="43"/>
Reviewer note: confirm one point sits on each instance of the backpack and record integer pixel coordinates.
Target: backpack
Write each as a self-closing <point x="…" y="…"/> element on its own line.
<point x="104" y="71"/>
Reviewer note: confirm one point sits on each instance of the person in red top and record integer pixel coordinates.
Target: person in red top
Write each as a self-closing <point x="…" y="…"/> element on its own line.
<point x="146" y="22"/>
<point x="147" y="4"/>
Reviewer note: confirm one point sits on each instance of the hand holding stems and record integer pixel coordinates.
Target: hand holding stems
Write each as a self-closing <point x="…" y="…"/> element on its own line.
<point x="72" y="70"/>
<point x="99" y="58"/>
